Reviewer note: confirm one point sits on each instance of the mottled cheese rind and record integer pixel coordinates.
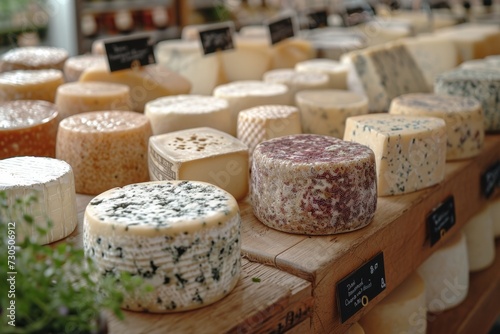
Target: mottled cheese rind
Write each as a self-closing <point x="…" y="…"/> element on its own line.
<point x="463" y="117"/>
<point x="336" y="71"/>
<point x="480" y="240"/>
<point x="313" y="185"/>
<point x="28" y="128"/>
<point x="51" y="181"/>
<point x="181" y="112"/>
<point x="201" y="154"/>
<point x="494" y="208"/>
<point x="74" y="66"/>
<point x="410" y="150"/>
<point x="324" y="112"/>
<point x="181" y="237"/>
<point x="446" y="275"/>
<point x="106" y="149"/>
<point x="30" y="85"/>
<point x="33" y="58"/>
<point x="402" y="311"/>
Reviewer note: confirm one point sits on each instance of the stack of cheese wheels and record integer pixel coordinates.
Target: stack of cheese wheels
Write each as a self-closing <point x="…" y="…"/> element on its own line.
<point x="28" y="128"/>
<point x="33" y="58"/>
<point x="296" y="81"/>
<point x="322" y="185"/>
<point x="262" y="123"/>
<point x="74" y="66"/>
<point x="463" y="117"/>
<point x="494" y="208"/>
<point x="146" y="83"/>
<point x="446" y="275"/>
<point x="105" y="148"/>
<point x="324" y="112"/>
<point x="480" y="240"/>
<point x="402" y="311"/>
<point x="336" y="71"/>
<point x="52" y="183"/>
<point x="30" y="85"/>
<point x="78" y="97"/>
<point x="247" y="94"/>
<point x="410" y="150"/>
<point x="180" y="112"/>
<point x="200" y="154"/>
<point x="481" y="84"/>
<point x="182" y="237"/>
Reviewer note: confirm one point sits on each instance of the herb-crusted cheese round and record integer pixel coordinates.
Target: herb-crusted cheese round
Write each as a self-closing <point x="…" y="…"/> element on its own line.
<point x="182" y="237"/>
<point x="314" y="185"/>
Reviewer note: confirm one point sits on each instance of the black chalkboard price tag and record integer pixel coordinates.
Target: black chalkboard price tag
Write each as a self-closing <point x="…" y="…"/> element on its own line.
<point x="317" y="19"/>
<point x="217" y="38"/>
<point x="281" y="29"/>
<point x="490" y="179"/>
<point x="441" y="219"/>
<point x="357" y="289"/>
<point x="128" y="53"/>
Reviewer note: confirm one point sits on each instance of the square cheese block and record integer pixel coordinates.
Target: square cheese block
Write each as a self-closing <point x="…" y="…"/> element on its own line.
<point x="33" y="58"/>
<point x="30" y="85"/>
<point x="201" y="154"/>
<point x="410" y="151"/>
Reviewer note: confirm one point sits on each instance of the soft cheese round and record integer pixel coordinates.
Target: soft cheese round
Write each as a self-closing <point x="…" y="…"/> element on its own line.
<point x="336" y="71"/>
<point x="182" y="237"/>
<point x="480" y="240"/>
<point x="320" y="184"/>
<point x="463" y="117"/>
<point x="106" y="149"/>
<point x="33" y="58"/>
<point x="180" y="112"/>
<point x="28" y="128"/>
<point x="51" y="181"/>
<point x="74" y="66"/>
<point x="30" y="85"/>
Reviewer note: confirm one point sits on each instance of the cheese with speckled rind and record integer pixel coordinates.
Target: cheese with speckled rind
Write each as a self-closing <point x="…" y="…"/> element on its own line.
<point x="480" y="240"/>
<point x="410" y="150"/>
<point x="106" y="149"/>
<point x="28" y="128"/>
<point x="336" y="71"/>
<point x="181" y="112"/>
<point x="481" y="84"/>
<point x="494" y="208"/>
<point x="324" y="112"/>
<point x="78" y="97"/>
<point x="463" y="117"/>
<point x="446" y="275"/>
<point x="182" y="237"/>
<point x="51" y="182"/>
<point x="30" y="85"/>
<point x="74" y="66"/>
<point x="33" y="58"/>
<point x="146" y="83"/>
<point x="201" y="154"/>
<point x="247" y="94"/>
<point x="320" y="184"/>
<point x="258" y="124"/>
<point x="402" y="311"/>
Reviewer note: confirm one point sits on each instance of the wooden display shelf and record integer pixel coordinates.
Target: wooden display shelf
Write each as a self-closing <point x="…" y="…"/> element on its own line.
<point x="478" y="312"/>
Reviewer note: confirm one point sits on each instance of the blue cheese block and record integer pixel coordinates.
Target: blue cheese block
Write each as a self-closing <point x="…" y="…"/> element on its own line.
<point x="410" y="151"/>
<point x="463" y="117"/>
<point x="483" y="84"/>
<point x="182" y="237"/>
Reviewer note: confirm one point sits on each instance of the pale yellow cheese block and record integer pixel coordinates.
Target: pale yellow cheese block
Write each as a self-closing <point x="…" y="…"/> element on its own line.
<point x="146" y="83"/>
<point x="30" y="85"/>
<point x="287" y="53"/>
<point x="33" y="58"/>
<point x="480" y="240"/>
<point x="74" y="66"/>
<point x="336" y="71"/>
<point x="494" y="208"/>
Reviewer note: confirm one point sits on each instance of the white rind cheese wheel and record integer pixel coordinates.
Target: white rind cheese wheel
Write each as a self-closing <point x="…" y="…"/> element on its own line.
<point x="78" y="97"/>
<point x="51" y="182"/>
<point x="494" y="208"/>
<point x="181" y="112"/>
<point x="481" y="84"/>
<point x="247" y="94"/>
<point x="258" y="124"/>
<point x="321" y="185"/>
<point x="33" y="58"/>
<point x="30" y="85"/>
<point x="200" y="154"/>
<point x="480" y="240"/>
<point x="106" y="149"/>
<point x="74" y="66"/>
<point x="182" y="237"/>
<point x="446" y="275"/>
<point x="324" y="112"/>
<point x="28" y="128"/>
<point x="336" y="71"/>
<point x="402" y="311"/>
<point x="410" y="150"/>
<point x="463" y="117"/>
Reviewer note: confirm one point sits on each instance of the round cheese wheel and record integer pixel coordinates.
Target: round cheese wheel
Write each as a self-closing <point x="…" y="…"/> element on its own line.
<point x="74" y="66"/>
<point x="336" y="70"/>
<point x="480" y="240"/>
<point x="355" y="329"/>
<point x="28" y="128"/>
<point x="106" y="149"/>
<point x="33" y="58"/>
<point x="30" y="85"/>
<point x="52" y="183"/>
<point x="182" y="237"/>
<point x="321" y="185"/>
